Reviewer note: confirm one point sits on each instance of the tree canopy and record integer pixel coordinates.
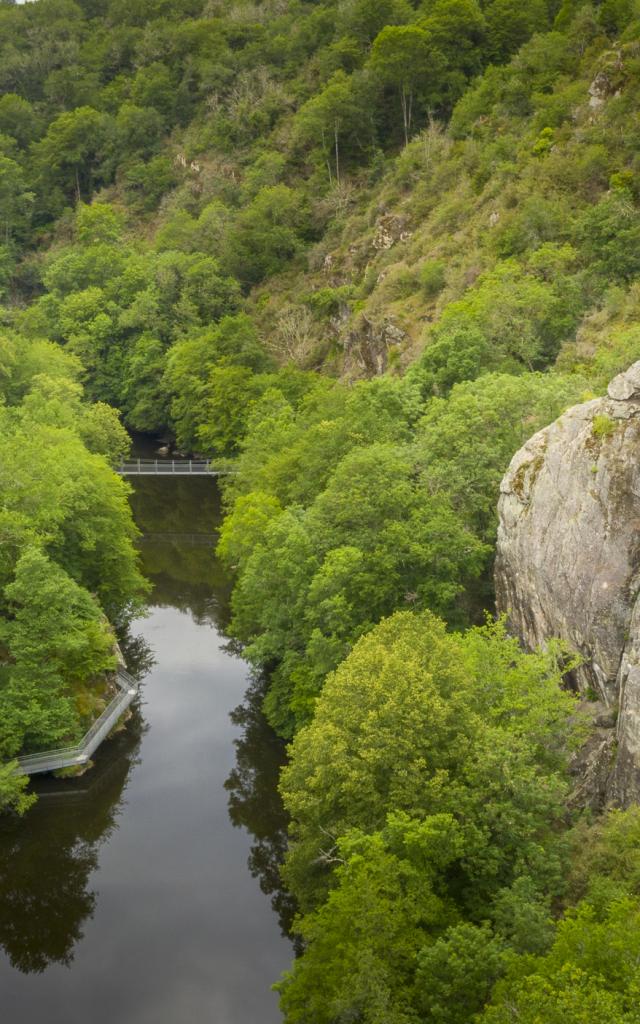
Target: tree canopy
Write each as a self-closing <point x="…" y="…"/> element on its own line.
<point x="363" y="250"/>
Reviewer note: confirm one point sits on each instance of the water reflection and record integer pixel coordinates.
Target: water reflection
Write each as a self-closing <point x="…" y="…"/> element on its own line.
<point x="45" y="887"/>
<point x="187" y="575"/>
<point x="171" y="514"/>
<point x="137" y="653"/>
<point x="255" y="803"/>
<point x="135" y="870"/>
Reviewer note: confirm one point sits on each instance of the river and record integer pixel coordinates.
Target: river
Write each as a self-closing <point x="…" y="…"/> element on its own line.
<point x="146" y="892"/>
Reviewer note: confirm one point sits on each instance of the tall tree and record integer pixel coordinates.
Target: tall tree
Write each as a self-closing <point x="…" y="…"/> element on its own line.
<point x="404" y="58"/>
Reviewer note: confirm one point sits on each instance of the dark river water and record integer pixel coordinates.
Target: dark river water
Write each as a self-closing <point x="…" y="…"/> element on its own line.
<point x="147" y="891"/>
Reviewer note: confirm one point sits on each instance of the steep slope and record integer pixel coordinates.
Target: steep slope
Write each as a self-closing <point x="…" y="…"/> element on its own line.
<point x="253" y="159"/>
<point x="568" y="560"/>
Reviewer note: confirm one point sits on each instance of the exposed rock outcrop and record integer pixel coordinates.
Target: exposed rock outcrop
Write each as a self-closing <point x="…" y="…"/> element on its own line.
<point x="568" y="561"/>
<point x="369" y="342"/>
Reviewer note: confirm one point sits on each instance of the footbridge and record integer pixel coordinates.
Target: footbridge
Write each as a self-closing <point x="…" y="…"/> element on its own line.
<point x="67" y="757"/>
<point x="172" y="467"/>
<point x="192" y="539"/>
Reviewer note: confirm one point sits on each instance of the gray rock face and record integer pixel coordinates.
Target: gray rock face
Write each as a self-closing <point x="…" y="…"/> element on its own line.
<point x="568" y="560"/>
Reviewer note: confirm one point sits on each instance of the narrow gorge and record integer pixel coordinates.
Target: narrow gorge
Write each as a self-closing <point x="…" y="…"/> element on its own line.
<point x="352" y="255"/>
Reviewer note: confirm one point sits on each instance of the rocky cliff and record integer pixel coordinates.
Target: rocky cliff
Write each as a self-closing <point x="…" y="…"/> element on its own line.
<point x="568" y="565"/>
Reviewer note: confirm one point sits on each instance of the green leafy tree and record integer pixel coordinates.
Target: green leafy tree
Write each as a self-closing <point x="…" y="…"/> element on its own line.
<point x="72" y="499"/>
<point x="379" y="543"/>
<point x="364" y="19"/>
<point x="510" y="24"/>
<point x="12" y="790"/>
<point x="98" y="223"/>
<point x="145" y="395"/>
<point x="71" y="87"/>
<point x="56" y="637"/>
<point x="146" y="182"/>
<point x="227" y="398"/>
<point x="100" y="428"/>
<point x="16" y="201"/>
<point x="266" y="234"/>
<point x="56" y="629"/>
<point x="608" y="236"/>
<point x="457" y="30"/>
<point x="403" y="57"/>
<point x="69" y="156"/>
<point x="403" y="826"/>
<point x="360" y="945"/>
<point x="252" y="514"/>
<point x="464" y="443"/>
<point x="138" y="131"/>
<point x="333" y="120"/>
<point x="18" y="119"/>
<point x="590" y="974"/>
<point x="154" y="87"/>
<point x="456" y="975"/>
<point x="404" y="725"/>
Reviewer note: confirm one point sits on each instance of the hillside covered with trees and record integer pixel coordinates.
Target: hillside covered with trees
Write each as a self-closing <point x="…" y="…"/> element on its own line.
<point x="364" y="249"/>
<point x="68" y="566"/>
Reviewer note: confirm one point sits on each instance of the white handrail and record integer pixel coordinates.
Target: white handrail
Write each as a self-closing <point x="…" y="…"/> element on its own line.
<point x="65" y="757"/>
<point x="173" y="467"/>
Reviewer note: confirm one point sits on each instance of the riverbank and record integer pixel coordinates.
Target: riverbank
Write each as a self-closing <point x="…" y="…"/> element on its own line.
<point x="137" y="871"/>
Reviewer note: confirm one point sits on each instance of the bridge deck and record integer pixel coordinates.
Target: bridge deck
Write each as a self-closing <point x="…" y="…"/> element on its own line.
<point x="171" y="467"/>
<point x="52" y="760"/>
<point x="206" y="539"/>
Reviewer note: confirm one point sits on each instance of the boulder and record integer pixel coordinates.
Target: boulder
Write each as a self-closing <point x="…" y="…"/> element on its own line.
<point x="568" y="559"/>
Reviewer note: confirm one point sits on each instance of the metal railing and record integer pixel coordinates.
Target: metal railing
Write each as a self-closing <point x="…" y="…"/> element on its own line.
<point x="205" y="539"/>
<point x="66" y="757"/>
<point x="171" y="467"/>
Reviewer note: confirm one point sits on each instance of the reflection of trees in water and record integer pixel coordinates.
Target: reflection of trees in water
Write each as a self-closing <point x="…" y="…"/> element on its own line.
<point x="138" y="655"/>
<point x="47" y="858"/>
<point x="185" y="575"/>
<point x="165" y="504"/>
<point x="189" y="577"/>
<point x="175" y="572"/>
<point x="254" y="800"/>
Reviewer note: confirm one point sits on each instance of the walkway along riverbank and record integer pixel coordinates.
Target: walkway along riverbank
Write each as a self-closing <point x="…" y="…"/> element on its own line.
<point x="67" y="757"/>
<point x="159" y="866"/>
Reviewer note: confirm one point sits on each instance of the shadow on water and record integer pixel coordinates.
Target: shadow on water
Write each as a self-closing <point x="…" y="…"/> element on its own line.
<point x="49" y="860"/>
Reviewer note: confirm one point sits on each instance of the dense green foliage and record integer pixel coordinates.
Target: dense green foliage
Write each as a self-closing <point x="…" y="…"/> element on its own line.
<point x="437" y="204"/>
<point x="361" y="503"/>
<point x="590" y="972"/>
<point x="235" y="140"/>
<point x="67" y="559"/>
<point x="399" y="784"/>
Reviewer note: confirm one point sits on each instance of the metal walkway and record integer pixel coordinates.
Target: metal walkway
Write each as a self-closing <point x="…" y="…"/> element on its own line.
<point x="206" y="539"/>
<point x="171" y="467"/>
<point x="52" y="760"/>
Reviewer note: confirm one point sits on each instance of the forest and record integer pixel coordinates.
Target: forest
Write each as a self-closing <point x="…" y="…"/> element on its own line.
<point x="362" y="250"/>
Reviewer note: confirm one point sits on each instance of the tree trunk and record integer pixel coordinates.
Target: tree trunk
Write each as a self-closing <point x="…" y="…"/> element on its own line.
<point x="327" y="157"/>
<point x="337" y="149"/>
<point x="405" y="125"/>
<point x="407" y="112"/>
